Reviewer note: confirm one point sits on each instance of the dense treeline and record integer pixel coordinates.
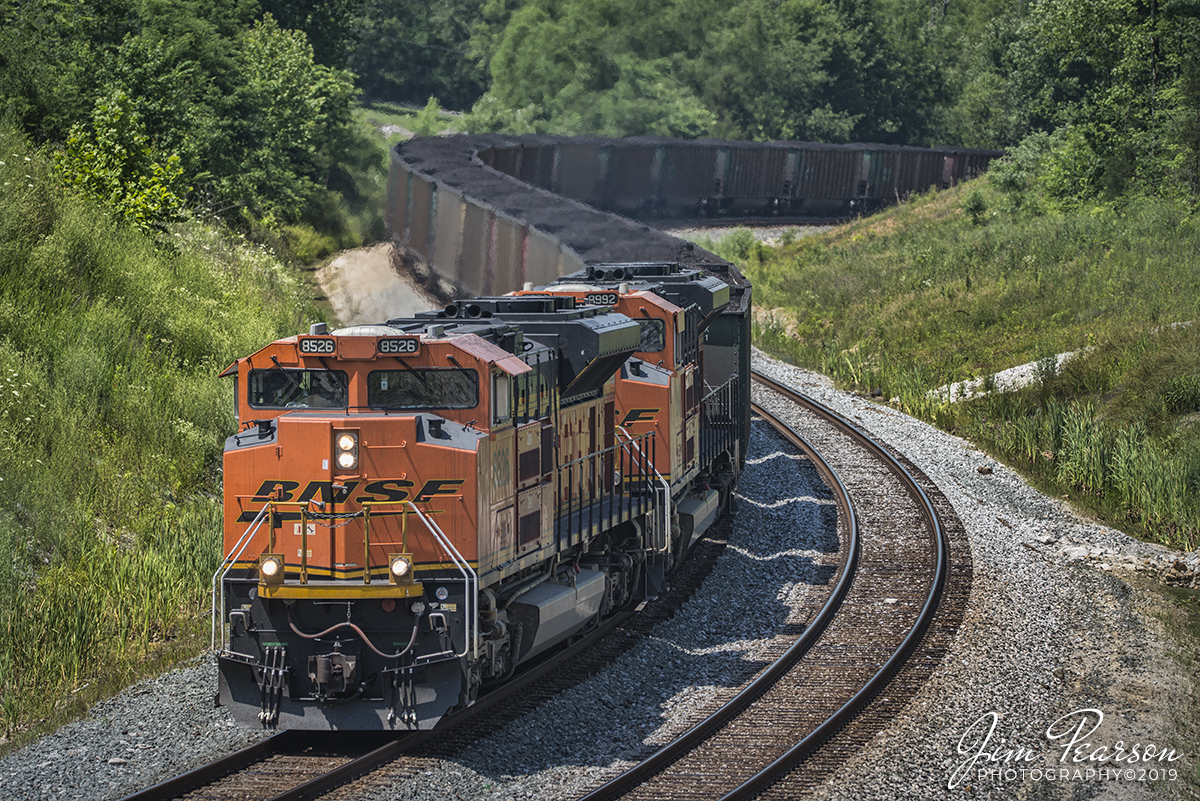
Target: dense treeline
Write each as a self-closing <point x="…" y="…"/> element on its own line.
<point x="159" y="106"/>
<point x="1117" y="80"/>
<point x="244" y="106"/>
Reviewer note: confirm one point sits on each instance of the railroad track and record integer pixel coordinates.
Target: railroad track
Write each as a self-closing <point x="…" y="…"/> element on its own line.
<point x="783" y="732"/>
<point x="823" y="684"/>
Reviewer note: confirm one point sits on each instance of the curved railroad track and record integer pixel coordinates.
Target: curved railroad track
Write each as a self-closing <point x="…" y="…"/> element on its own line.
<point x="782" y="733"/>
<point x="789" y="726"/>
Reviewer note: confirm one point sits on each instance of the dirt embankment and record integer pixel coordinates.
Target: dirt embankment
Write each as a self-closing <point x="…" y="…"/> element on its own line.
<point x="365" y="286"/>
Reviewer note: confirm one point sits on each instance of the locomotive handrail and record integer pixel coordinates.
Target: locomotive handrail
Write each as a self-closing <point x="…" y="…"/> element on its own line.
<point x="595" y="496"/>
<point x="226" y="565"/>
<point x="470" y="579"/>
<point x="716" y="435"/>
<point x="601" y="452"/>
<point x="731" y="381"/>
<point x="666" y="488"/>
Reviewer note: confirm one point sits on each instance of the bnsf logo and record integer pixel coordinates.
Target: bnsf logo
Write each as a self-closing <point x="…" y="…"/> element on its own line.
<point x="394" y="346"/>
<point x="388" y="490"/>
<point x="600" y="298"/>
<point x="639" y="416"/>
<point x="320" y="347"/>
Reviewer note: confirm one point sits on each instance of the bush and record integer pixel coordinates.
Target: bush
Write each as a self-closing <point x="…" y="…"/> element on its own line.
<point x="112" y="420"/>
<point x="888" y="302"/>
<point x="975" y="207"/>
<point x="114" y="163"/>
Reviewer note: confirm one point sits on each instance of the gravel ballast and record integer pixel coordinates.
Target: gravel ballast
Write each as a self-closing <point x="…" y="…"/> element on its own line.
<point x="1053" y="628"/>
<point x="1056" y="624"/>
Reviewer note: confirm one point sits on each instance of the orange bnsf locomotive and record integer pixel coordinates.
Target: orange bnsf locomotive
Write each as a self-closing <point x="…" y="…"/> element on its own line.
<point x="416" y="508"/>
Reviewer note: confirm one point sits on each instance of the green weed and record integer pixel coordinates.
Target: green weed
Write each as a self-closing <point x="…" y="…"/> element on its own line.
<point x="925" y="295"/>
<point x="112" y="420"/>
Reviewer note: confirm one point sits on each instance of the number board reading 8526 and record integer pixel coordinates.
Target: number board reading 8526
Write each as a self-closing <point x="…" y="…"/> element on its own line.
<point x="397" y="346"/>
<point x="318" y="346"/>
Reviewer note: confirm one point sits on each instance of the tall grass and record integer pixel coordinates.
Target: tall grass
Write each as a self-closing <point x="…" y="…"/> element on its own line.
<point x="112" y="420"/>
<point x="81" y="627"/>
<point x="934" y="292"/>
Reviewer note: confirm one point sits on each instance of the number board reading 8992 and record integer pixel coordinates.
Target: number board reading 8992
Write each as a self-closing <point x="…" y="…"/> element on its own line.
<point x="398" y="346"/>
<point x="600" y="299"/>
<point x="322" y="346"/>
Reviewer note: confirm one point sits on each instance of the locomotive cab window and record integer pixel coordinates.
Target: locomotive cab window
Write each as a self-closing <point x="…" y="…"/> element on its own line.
<point x="298" y="389"/>
<point x="654" y="336"/>
<point x="501" y="409"/>
<point x="423" y="388"/>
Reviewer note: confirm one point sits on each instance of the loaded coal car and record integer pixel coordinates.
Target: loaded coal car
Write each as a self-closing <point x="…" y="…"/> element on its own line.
<point x="653" y="176"/>
<point x="414" y="509"/>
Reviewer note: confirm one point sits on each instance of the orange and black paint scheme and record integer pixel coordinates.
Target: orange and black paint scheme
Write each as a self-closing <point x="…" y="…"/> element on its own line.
<point x="413" y="509"/>
<point x="659" y="390"/>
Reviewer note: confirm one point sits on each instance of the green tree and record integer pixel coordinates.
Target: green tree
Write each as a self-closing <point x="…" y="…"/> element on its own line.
<point x="112" y="160"/>
<point x="406" y="51"/>
<point x="254" y="122"/>
<point x="286" y="126"/>
<point x="577" y="67"/>
<point x="833" y="70"/>
<point x="1121" y="75"/>
<point x="51" y="61"/>
<point x="779" y="71"/>
<point x="329" y="25"/>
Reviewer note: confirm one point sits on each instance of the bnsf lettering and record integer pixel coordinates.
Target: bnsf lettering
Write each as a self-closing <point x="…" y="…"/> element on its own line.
<point x="327" y="493"/>
<point x="398" y="346"/>
<point x="322" y="347"/>
<point x="389" y="491"/>
<point x="639" y="416"/>
<point x="438" y="487"/>
<point x="267" y="492"/>
<point x="600" y="298"/>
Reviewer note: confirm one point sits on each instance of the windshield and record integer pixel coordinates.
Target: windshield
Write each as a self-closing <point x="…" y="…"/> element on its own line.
<point x="423" y="388"/>
<point x="298" y="389"/>
<point x="654" y="336"/>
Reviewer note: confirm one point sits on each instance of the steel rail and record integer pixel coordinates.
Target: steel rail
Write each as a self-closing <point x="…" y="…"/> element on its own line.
<point x="207" y="774"/>
<point x="688" y="741"/>
<point x="525" y="677"/>
<point x="355" y="768"/>
<point x="789" y="760"/>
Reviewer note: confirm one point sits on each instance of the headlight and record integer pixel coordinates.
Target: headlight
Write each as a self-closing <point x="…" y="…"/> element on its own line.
<point x="345" y="454"/>
<point x="399" y="568"/>
<point x="270" y="568"/>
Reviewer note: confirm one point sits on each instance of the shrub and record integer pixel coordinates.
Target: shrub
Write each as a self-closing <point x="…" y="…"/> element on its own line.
<point x="112" y="420"/>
